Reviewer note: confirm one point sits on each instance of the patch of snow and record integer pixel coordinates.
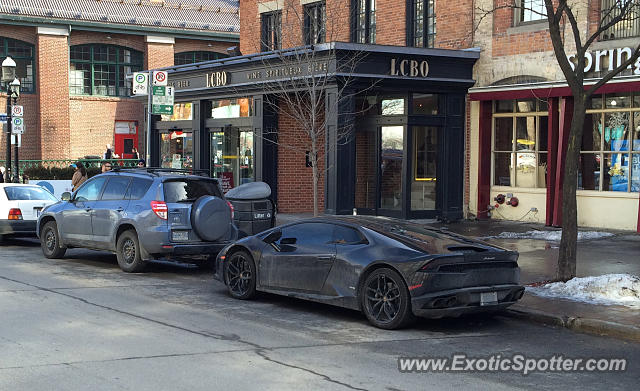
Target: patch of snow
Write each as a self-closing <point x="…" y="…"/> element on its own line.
<point x="608" y="289"/>
<point x="552" y="236"/>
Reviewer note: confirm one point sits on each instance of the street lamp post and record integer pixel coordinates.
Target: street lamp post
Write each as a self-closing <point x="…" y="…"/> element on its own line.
<point x="8" y="75"/>
<point x="15" y="94"/>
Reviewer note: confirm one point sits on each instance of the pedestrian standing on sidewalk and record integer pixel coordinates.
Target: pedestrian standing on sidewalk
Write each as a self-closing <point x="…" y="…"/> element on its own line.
<point x="79" y="176"/>
<point x="106" y="166"/>
<point x="1" y="174"/>
<point x="141" y="163"/>
<point x="134" y="151"/>
<point x="108" y="154"/>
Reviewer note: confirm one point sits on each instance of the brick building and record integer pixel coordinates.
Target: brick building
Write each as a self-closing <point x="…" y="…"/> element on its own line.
<point x="73" y="57"/>
<point x="520" y="114"/>
<point x="393" y="113"/>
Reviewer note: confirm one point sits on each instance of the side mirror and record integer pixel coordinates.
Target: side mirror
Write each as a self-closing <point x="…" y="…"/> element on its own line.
<point x="272" y="236"/>
<point x="288" y="241"/>
<point x="66" y="196"/>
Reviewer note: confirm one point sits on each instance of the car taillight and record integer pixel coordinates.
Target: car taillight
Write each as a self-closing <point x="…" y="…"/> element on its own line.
<point x="160" y="209"/>
<point x="15" y="214"/>
<point x="230" y="207"/>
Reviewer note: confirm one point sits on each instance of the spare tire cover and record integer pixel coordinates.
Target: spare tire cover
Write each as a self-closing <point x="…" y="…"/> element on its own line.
<point x="211" y="218"/>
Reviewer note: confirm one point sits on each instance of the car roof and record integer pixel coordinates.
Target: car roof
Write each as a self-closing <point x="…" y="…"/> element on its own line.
<point x="163" y="173"/>
<point x="10" y="184"/>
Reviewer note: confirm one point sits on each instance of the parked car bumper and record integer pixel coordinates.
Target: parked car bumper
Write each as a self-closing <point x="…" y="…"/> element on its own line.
<point x="456" y="302"/>
<point x="17" y="227"/>
<point x="174" y="249"/>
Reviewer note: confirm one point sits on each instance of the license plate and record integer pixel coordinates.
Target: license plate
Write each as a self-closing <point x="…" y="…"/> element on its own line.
<point x="261" y="216"/>
<point x="487" y="298"/>
<point x="177" y="236"/>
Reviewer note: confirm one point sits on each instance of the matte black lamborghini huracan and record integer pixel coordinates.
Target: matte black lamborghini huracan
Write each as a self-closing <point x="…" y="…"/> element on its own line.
<point x="390" y="270"/>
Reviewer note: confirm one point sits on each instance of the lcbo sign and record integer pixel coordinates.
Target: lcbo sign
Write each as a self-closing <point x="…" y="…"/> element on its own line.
<point x="411" y="68"/>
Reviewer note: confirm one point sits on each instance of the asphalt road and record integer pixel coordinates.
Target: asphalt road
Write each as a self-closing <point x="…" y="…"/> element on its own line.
<point x="80" y="323"/>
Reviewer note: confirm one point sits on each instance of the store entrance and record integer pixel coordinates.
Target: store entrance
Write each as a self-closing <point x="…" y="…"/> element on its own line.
<point x="176" y="149"/>
<point x="232" y="156"/>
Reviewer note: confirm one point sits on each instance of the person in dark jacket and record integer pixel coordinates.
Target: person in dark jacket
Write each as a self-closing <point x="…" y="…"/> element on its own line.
<point x="108" y="154"/>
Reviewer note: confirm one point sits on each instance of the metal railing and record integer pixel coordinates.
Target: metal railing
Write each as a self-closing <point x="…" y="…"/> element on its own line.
<point x="628" y="26"/>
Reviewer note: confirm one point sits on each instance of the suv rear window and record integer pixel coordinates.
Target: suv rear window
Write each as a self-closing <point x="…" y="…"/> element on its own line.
<point x="189" y="190"/>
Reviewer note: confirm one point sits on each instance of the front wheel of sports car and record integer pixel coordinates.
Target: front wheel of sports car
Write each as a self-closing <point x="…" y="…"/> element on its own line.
<point x="385" y="300"/>
<point x="240" y="275"/>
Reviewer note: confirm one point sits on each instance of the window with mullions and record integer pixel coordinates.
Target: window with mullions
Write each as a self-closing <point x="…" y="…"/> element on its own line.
<point x="530" y="11"/>
<point x="423" y="23"/>
<point x="315" y="23"/>
<point x="102" y="69"/>
<point x="271" y="24"/>
<point x="185" y="58"/>
<point x="365" y="21"/>
<point x="22" y="54"/>
<point x="520" y="143"/>
<point x="610" y="149"/>
<point x="628" y="26"/>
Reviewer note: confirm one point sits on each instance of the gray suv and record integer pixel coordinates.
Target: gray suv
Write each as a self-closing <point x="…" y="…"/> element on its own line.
<point x="140" y="214"/>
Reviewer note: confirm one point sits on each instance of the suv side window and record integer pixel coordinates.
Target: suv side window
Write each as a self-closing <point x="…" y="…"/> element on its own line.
<point x="138" y="188"/>
<point x="116" y="188"/>
<point x="90" y="190"/>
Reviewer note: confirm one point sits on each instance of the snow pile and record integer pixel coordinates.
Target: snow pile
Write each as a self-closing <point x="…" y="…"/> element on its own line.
<point x="553" y="236"/>
<point x="608" y="289"/>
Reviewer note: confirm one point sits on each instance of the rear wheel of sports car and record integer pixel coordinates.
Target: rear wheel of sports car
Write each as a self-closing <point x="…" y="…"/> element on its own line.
<point x="128" y="252"/>
<point x="385" y="300"/>
<point x="50" y="241"/>
<point x="240" y="275"/>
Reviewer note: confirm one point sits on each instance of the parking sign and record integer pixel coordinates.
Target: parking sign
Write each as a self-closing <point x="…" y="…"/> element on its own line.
<point x="140" y="83"/>
<point x="17" y="125"/>
<point x="160" y="78"/>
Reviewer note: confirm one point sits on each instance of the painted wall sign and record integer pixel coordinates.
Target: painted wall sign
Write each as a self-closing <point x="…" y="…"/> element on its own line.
<point x="411" y="68"/>
<point x="608" y="59"/>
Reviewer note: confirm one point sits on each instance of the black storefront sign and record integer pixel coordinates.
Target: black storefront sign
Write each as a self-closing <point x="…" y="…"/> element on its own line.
<point x="429" y="148"/>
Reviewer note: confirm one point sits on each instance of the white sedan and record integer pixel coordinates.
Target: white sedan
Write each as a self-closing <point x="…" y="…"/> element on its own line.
<point x="20" y="206"/>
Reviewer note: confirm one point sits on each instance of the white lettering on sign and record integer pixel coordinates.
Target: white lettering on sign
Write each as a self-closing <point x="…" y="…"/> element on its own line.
<point x="411" y="68"/>
<point x="608" y="59"/>
<point x="217" y="79"/>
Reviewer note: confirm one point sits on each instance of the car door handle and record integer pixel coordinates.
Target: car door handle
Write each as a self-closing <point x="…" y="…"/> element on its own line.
<point x="87" y="209"/>
<point x="325" y="257"/>
<point x="120" y="209"/>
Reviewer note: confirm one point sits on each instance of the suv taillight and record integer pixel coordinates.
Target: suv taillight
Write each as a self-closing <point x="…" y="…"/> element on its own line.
<point x="231" y="207"/>
<point x="160" y="209"/>
<point x="15" y="214"/>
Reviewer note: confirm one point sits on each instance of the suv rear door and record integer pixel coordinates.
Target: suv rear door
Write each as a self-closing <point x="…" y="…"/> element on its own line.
<point x="179" y="195"/>
<point x="109" y="210"/>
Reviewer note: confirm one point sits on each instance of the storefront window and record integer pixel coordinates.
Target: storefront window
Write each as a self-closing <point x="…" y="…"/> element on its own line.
<point x="425" y="157"/>
<point x="520" y="143"/>
<point x="232" y="156"/>
<point x="392" y="106"/>
<point x="426" y="104"/>
<point x="610" y="149"/>
<point x="176" y="149"/>
<point x="231" y="108"/>
<point x="181" y="112"/>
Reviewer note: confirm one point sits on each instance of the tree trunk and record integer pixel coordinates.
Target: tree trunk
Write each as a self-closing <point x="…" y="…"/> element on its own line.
<point x="314" y="169"/>
<point x="569" y="243"/>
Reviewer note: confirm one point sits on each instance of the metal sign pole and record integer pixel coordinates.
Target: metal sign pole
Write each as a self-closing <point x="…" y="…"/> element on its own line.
<point x="148" y="142"/>
<point x="8" y="167"/>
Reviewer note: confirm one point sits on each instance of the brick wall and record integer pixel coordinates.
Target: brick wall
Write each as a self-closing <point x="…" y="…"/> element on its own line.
<point x="508" y="40"/>
<point x="53" y="84"/>
<point x="158" y="55"/>
<point x="295" y="184"/>
<point x="91" y="133"/>
<point x="454" y="22"/>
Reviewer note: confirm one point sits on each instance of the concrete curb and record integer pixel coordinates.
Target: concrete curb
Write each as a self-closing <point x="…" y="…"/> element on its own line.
<point x="582" y="325"/>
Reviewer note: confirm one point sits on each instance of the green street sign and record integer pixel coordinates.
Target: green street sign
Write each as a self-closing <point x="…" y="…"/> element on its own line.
<point x="162" y="100"/>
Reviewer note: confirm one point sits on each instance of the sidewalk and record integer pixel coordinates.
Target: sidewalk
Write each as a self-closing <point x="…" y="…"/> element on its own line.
<point x="616" y="254"/>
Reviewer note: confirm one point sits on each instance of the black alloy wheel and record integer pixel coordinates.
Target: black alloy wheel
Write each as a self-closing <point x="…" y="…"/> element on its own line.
<point x="128" y="252"/>
<point x="50" y="241"/>
<point x="240" y="275"/>
<point x="385" y="299"/>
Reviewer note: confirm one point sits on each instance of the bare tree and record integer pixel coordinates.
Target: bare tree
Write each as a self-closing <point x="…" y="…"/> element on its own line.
<point x="300" y="76"/>
<point x="567" y="35"/>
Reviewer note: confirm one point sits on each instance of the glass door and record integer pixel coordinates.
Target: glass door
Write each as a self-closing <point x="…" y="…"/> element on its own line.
<point x="176" y="149"/>
<point x="391" y="164"/>
<point x="232" y="156"/>
<point x="425" y="158"/>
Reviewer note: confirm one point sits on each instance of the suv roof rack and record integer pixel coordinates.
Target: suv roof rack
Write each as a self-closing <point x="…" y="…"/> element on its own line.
<point x="156" y="171"/>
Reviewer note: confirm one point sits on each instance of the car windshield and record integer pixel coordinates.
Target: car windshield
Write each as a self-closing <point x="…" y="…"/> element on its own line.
<point x="33" y="193"/>
<point x="189" y="190"/>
